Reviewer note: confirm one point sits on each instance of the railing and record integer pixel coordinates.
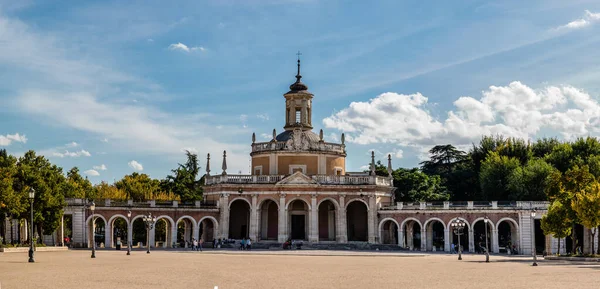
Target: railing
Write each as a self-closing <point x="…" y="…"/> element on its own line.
<point x="144" y="204"/>
<point x="321" y="179"/>
<point x="468" y="205"/>
<point x="320" y="146"/>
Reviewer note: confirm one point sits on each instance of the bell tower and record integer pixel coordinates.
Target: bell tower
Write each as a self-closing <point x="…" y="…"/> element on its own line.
<point x="298" y="105"/>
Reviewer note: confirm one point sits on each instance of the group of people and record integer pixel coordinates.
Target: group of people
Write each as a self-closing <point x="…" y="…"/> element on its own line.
<point x="197" y="245"/>
<point x="245" y="244"/>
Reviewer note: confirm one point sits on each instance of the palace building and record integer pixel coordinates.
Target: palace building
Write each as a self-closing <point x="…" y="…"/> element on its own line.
<point x="299" y="189"/>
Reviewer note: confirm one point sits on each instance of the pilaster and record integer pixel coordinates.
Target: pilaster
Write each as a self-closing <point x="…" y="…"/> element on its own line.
<point x="314" y="232"/>
<point x="254" y="219"/>
<point x="471" y="240"/>
<point x="372" y="216"/>
<point x="343" y="226"/>
<point x="282" y="232"/>
<point x="224" y="202"/>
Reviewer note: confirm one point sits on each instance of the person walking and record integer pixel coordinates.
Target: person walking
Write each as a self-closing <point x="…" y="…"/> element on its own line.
<point x="194" y="245"/>
<point x="199" y="245"/>
<point x="248" y="244"/>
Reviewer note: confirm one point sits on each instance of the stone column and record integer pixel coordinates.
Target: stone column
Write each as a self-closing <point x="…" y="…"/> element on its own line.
<point x="423" y="239"/>
<point x="129" y="232"/>
<point x="372" y="219"/>
<point x="224" y="234"/>
<point x="254" y="219"/>
<point x="401" y="237"/>
<point x="447" y="240"/>
<point x="343" y="229"/>
<point x="108" y="232"/>
<point x="62" y="230"/>
<point x="495" y="246"/>
<point x="471" y="240"/>
<point x="282" y="232"/>
<point x="314" y="220"/>
<point x="168" y="239"/>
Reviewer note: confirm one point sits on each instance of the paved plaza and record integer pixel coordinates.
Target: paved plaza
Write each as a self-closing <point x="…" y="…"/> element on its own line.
<point x="286" y="269"/>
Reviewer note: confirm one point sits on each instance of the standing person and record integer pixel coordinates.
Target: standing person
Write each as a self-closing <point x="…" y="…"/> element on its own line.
<point x="199" y="245"/>
<point x="452" y="248"/>
<point x="242" y="243"/>
<point x="248" y="244"/>
<point x="194" y="244"/>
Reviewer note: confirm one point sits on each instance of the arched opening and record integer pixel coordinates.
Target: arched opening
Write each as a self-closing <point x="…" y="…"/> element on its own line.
<point x="435" y="236"/>
<point x="138" y="233"/>
<point x="185" y="232"/>
<point x="119" y="231"/>
<point x="207" y="230"/>
<point x="356" y="217"/>
<point x="464" y="237"/>
<point x="68" y="230"/>
<point x="479" y="236"/>
<point x="389" y="233"/>
<point x="570" y="246"/>
<point x="298" y="216"/>
<point x="327" y="221"/>
<point x="97" y="233"/>
<point x="162" y="233"/>
<point x="239" y="219"/>
<point x="412" y="235"/>
<point x="540" y="238"/>
<point x="269" y="222"/>
<point x="508" y="238"/>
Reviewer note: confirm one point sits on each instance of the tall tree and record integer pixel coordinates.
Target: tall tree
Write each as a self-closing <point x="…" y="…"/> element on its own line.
<point x="184" y="182"/>
<point x="544" y="146"/>
<point x="443" y="159"/>
<point x="138" y="187"/>
<point x="495" y="174"/>
<point x="556" y="223"/>
<point x="414" y="185"/>
<point x="586" y="205"/>
<point x="77" y="186"/>
<point x="529" y="182"/>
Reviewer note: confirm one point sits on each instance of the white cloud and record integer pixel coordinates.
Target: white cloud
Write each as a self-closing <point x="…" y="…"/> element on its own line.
<point x="182" y="47"/>
<point x="135" y="165"/>
<point x="266" y="136"/>
<point x="81" y="153"/>
<point x="72" y="145"/>
<point x="588" y="19"/>
<point x="190" y="149"/>
<point x="9" y="138"/>
<point x="101" y="167"/>
<point x="244" y="120"/>
<point x="92" y="173"/>
<point x="398" y="154"/>
<point x="515" y="110"/>
<point x="263" y="116"/>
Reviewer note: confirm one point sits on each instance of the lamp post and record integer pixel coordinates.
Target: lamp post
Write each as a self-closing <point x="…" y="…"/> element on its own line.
<point x="487" y="249"/>
<point x="92" y="208"/>
<point x="31" y="197"/>
<point x="458" y="226"/>
<point x="129" y="232"/>
<point x="533" y="238"/>
<point x="149" y="220"/>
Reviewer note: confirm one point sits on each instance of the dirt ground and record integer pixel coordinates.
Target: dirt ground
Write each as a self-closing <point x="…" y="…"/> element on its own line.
<point x="287" y="269"/>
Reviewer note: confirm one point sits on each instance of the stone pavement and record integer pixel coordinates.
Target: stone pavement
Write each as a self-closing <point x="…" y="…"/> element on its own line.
<point x="287" y="269"/>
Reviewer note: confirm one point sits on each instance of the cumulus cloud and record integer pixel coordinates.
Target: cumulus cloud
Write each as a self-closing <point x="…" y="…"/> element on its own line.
<point x="515" y="110"/>
<point x="92" y="173"/>
<point x="6" y="140"/>
<point x="101" y="167"/>
<point x="72" y="144"/>
<point x="135" y="165"/>
<point x="182" y="47"/>
<point x="588" y="19"/>
<point x="75" y="154"/>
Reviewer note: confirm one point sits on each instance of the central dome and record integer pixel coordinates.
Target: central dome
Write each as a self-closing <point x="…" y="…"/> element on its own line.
<point x="286" y="135"/>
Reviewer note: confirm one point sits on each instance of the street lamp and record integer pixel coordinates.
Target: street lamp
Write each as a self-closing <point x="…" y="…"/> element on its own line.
<point x="458" y="226"/>
<point x="149" y="220"/>
<point x="92" y="208"/>
<point x="533" y="238"/>
<point x="31" y="197"/>
<point x="487" y="249"/>
<point x="129" y="232"/>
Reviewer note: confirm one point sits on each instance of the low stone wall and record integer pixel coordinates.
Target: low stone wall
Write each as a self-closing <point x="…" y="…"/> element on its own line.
<point x="37" y="249"/>
<point x="580" y="259"/>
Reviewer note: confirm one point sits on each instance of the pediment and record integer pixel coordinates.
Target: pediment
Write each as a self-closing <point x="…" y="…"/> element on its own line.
<point x="297" y="178"/>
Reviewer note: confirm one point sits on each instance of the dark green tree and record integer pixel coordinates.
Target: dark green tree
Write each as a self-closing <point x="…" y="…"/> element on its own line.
<point x="184" y="182"/>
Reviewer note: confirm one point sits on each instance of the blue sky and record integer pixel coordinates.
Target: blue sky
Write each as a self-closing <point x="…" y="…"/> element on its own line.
<point x="114" y="87"/>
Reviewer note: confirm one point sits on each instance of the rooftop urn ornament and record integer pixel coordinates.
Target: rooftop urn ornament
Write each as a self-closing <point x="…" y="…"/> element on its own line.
<point x="389" y="168"/>
<point x="208" y="164"/>
<point x="224" y="166"/>
<point x="274" y="135"/>
<point x="372" y="163"/>
<point x="321" y="135"/>
<point x="343" y="138"/>
<point x="253" y="137"/>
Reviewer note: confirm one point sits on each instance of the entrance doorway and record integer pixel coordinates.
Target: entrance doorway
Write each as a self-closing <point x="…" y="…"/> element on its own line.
<point x="298" y="227"/>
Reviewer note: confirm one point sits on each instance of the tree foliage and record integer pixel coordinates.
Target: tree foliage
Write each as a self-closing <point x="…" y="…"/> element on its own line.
<point x="184" y="182"/>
